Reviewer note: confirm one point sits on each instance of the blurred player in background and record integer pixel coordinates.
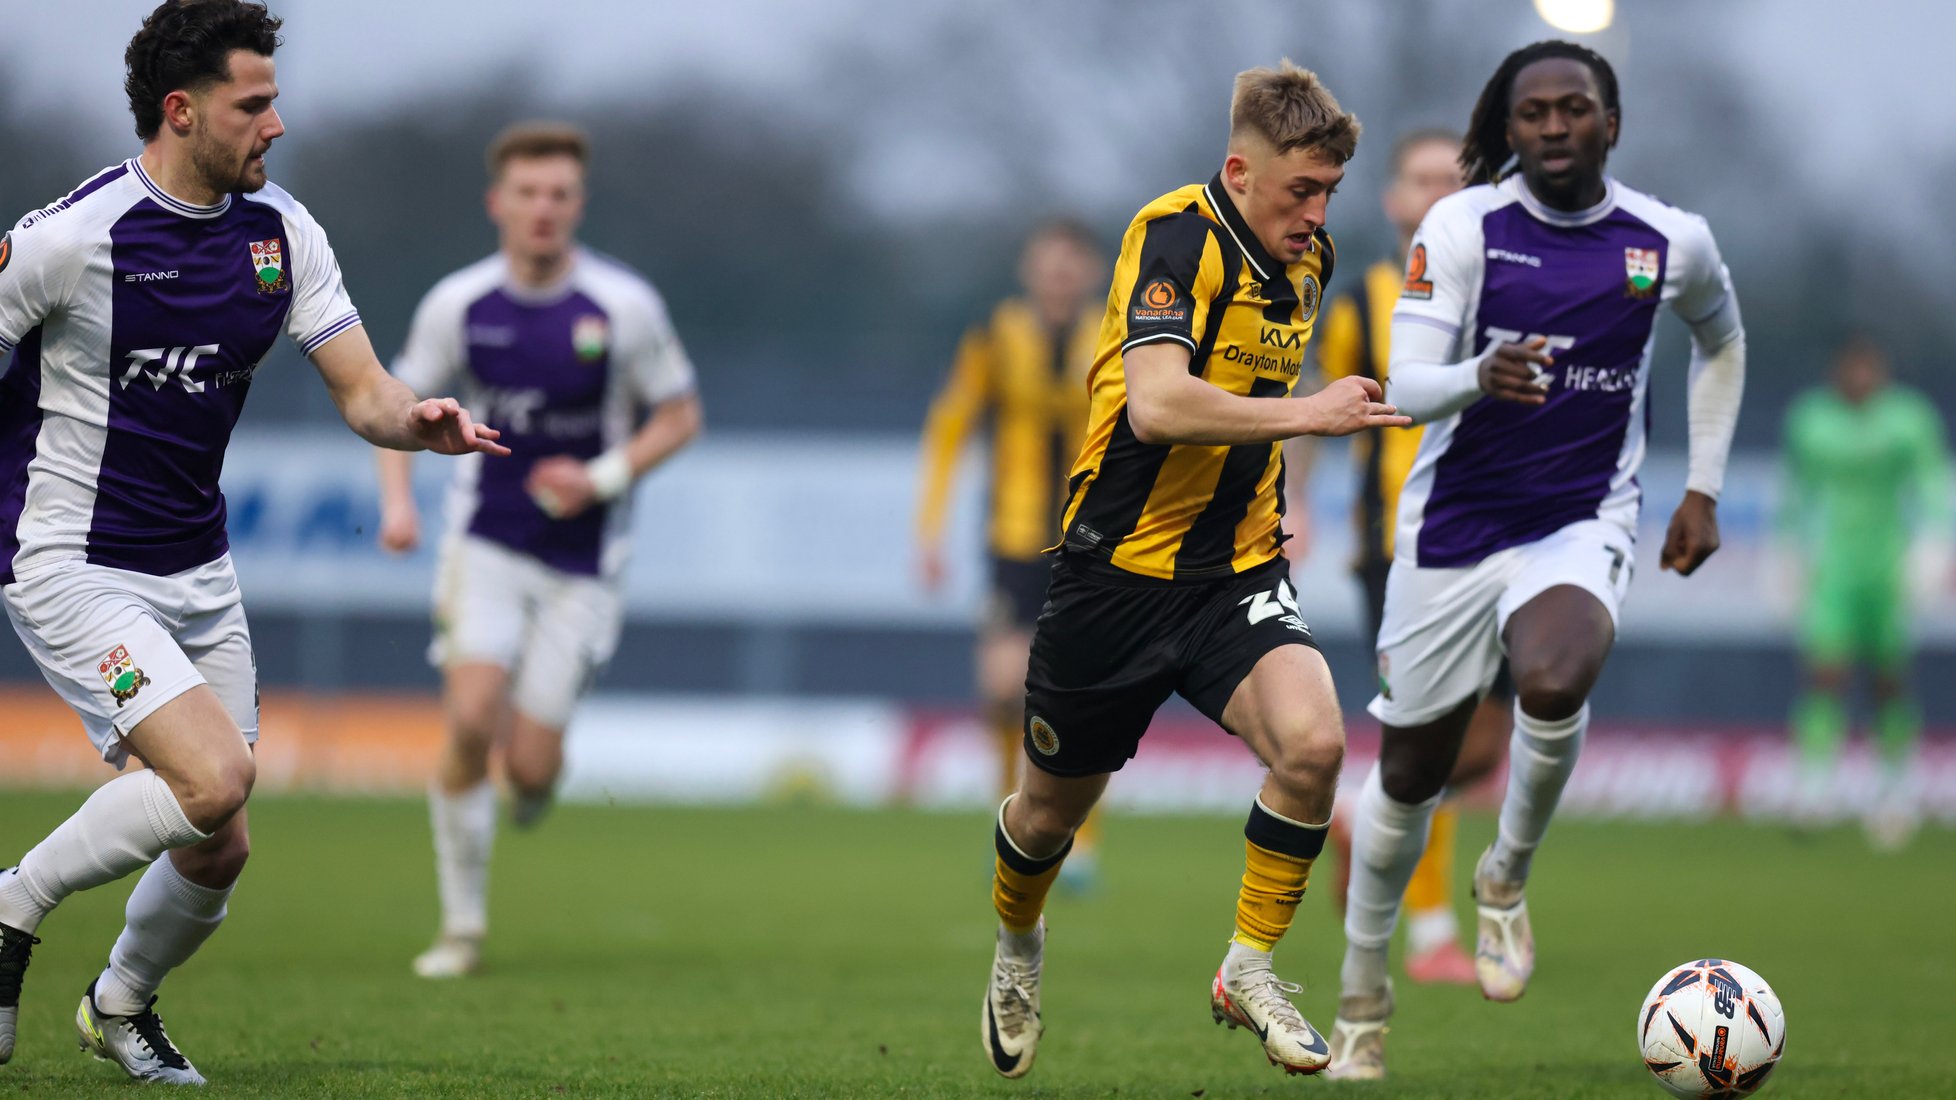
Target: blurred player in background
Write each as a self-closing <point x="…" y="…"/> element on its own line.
<point x="1867" y="482"/>
<point x="1169" y="578"/>
<point x="136" y="310"/>
<point x="1522" y="341"/>
<point x="564" y="350"/>
<point x="1025" y="369"/>
<point x="1354" y="340"/>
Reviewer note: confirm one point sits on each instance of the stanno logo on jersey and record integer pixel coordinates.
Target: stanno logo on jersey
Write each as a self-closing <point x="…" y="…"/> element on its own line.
<point x="589" y="334"/>
<point x="118" y="670"/>
<point x="6" y="250"/>
<point x="1640" y="266"/>
<point x="1307" y="299"/>
<point x="268" y="266"/>
<point x="1417" y="284"/>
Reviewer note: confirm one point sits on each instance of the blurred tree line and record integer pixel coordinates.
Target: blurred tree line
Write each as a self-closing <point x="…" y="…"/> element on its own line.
<point x="822" y="254"/>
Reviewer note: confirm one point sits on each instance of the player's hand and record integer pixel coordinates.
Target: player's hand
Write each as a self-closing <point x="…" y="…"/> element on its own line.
<point x="560" y="487"/>
<point x="400" y="528"/>
<point x="442" y="425"/>
<point x="1513" y="372"/>
<point x="1693" y="536"/>
<point x="1350" y="405"/>
<point x="930" y="568"/>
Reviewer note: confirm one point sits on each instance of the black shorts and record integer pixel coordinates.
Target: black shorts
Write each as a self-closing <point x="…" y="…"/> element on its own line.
<point x="1018" y="592"/>
<point x="1112" y="647"/>
<point x="1372" y="574"/>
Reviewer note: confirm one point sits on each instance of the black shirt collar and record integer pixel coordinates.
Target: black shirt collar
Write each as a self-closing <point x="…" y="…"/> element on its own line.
<point x="1265" y="265"/>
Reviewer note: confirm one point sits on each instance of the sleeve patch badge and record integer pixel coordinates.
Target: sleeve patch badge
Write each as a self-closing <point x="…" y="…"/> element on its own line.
<point x="1417" y="284"/>
<point x="6" y="250"/>
<point x="1159" y="301"/>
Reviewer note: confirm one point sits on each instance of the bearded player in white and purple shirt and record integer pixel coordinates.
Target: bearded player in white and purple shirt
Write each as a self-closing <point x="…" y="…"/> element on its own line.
<point x="134" y="313"/>
<point x="1523" y="342"/>
<point x="570" y="355"/>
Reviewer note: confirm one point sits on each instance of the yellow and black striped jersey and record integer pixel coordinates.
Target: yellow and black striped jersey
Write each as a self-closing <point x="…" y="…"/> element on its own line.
<point x="1031" y="381"/>
<point x="1191" y="272"/>
<point x="1356" y="340"/>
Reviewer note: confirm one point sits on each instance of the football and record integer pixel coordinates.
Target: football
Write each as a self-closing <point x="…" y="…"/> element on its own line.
<point x="1711" y="1028"/>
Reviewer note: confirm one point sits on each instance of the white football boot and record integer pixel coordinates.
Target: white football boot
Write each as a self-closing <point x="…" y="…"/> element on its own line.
<point x="1504" y="949"/>
<point x="1254" y="998"/>
<point x="1011" y="1026"/>
<point x="136" y="1043"/>
<point x="450" y="957"/>
<point x="1358" y="1036"/>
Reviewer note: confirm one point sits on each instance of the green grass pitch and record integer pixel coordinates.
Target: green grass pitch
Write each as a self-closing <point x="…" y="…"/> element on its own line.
<point x="799" y="951"/>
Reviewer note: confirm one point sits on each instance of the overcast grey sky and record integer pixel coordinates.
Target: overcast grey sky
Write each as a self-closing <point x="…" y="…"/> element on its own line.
<point x="1846" y="87"/>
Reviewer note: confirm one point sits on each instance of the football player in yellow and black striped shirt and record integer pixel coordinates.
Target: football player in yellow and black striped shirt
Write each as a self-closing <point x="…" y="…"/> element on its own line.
<point x="1353" y="339"/>
<point x="1169" y="578"/>
<point x="1025" y="371"/>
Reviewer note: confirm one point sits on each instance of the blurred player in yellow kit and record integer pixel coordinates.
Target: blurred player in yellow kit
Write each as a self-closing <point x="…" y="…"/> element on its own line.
<point x="1355" y="340"/>
<point x="1025" y="370"/>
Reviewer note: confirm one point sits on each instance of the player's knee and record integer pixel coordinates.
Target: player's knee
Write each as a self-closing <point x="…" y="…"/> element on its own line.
<point x="215" y="787"/>
<point x="1308" y="758"/>
<point x="1552" y="698"/>
<point x="473" y="723"/>
<point x="1411" y="778"/>
<point x="1046" y="824"/>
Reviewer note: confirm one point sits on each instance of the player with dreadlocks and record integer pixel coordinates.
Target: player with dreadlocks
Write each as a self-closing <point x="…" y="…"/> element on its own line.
<point x="1522" y="342"/>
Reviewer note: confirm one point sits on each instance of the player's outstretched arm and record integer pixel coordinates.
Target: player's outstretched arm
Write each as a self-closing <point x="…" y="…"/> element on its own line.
<point x="383" y="411"/>
<point x="563" y="486"/>
<point x="1166" y="404"/>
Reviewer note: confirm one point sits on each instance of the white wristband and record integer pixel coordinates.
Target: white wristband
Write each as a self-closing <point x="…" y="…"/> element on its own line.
<point x="610" y="474"/>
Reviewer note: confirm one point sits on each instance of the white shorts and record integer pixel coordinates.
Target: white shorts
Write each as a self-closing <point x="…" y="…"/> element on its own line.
<point x="551" y="631"/>
<point x="1440" y="641"/>
<point x="118" y="645"/>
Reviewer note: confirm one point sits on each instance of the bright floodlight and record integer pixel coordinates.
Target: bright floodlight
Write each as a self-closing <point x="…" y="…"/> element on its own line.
<point x="1577" y="16"/>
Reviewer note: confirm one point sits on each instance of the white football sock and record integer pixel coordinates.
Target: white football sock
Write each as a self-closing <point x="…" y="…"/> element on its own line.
<point x="169" y="918"/>
<point x="1430" y="929"/>
<point x="465" y="830"/>
<point x="125" y="824"/>
<point x="1241" y="958"/>
<point x="1388" y="838"/>
<point x="1541" y="756"/>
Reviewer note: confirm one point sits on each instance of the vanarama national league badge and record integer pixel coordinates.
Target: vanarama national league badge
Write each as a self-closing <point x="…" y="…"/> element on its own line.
<point x="119" y="671"/>
<point x="268" y="266"/>
<point x="1640" y="267"/>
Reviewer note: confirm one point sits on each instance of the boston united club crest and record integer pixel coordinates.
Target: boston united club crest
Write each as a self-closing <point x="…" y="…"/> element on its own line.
<point x="119" y="671"/>
<point x="268" y="266"/>
<point x="1640" y="269"/>
<point x="1043" y="737"/>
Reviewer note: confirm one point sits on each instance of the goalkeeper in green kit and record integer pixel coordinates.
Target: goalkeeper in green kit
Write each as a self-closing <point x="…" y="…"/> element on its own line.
<point x="1865" y="509"/>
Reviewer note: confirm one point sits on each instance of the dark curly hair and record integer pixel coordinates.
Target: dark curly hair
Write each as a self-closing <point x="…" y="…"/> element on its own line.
<point x="186" y="45"/>
<point x="1486" y="152"/>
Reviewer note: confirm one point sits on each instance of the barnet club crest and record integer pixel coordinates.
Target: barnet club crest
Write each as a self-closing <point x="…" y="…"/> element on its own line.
<point x="119" y="671"/>
<point x="1640" y="269"/>
<point x="268" y="266"/>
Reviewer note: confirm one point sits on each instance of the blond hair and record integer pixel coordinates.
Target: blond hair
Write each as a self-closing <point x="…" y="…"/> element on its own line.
<point x="538" y="139"/>
<point x="1290" y="108"/>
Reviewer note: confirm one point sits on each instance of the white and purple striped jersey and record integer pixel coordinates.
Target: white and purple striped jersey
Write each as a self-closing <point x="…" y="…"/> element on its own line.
<point x="1491" y="264"/>
<point x="133" y="322"/>
<point x="570" y="370"/>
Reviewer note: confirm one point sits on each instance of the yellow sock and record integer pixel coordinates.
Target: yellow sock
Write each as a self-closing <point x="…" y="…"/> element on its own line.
<point x="1020" y="882"/>
<point x="1277" y="867"/>
<point x="1008" y="733"/>
<point x="1431" y="887"/>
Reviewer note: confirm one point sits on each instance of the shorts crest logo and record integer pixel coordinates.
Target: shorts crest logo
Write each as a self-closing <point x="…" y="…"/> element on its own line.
<point x="119" y="671"/>
<point x="1640" y="268"/>
<point x="268" y="265"/>
<point x="1043" y="737"/>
